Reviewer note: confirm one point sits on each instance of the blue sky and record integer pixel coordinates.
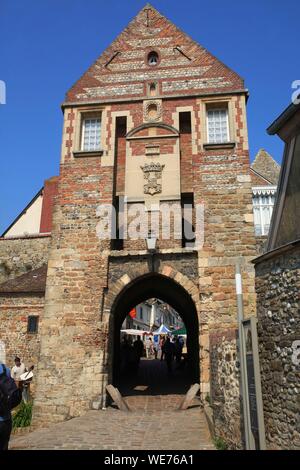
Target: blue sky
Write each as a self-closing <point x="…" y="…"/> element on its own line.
<point x="46" y="45"/>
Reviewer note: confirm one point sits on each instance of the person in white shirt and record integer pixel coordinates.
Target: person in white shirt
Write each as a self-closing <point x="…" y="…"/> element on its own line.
<point x="18" y="369"/>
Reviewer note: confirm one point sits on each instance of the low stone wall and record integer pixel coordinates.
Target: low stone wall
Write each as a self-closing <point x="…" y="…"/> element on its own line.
<point x="225" y="388"/>
<point x="278" y="286"/>
<point x="15" y="341"/>
<point x="20" y="255"/>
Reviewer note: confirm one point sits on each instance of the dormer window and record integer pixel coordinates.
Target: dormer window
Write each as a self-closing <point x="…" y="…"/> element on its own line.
<point x="153" y="58"/>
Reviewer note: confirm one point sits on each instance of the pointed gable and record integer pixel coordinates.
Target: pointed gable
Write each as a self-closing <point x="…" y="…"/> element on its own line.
<point x="266" y="167"/>
<point x="183" y="66"/>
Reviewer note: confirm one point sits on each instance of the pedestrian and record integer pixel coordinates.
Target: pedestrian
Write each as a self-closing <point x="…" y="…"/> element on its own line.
<point x="125" y="353"/>
<point x="26" y="381"/>
<point x="131" y="356"/>
<point x="148" y="346"/>
<point x="169" y="354"/>
<point x="10" y="397"/>
<point x="151" y="348"/>
<point x="178" y="350"/>
<point x="138" y="347"/>
<point x="161" y="346"/>
<point x="17" y="370"/>
<point x="155" y="348"/>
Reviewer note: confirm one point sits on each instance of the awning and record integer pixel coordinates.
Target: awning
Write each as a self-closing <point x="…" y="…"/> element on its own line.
<point x="162" y="330"/>
<point x="181" y="331"/>
<point x="134" y="332"/>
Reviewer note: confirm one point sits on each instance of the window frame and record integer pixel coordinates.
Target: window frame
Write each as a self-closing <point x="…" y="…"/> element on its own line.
<point x="258" y="208"/>
<point x="86" y="117"/>
<point x="36" y="324"/>
<point x="219" y="108"/>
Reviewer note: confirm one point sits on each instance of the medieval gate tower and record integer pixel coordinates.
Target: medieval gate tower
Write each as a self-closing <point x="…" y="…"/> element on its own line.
<point x="157" y="119"/>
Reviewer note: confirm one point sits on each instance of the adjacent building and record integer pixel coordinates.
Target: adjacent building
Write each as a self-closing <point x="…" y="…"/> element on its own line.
<point x="278" y="287"/>
<point x="265" y="173"/>
<point x="151" y="314"/>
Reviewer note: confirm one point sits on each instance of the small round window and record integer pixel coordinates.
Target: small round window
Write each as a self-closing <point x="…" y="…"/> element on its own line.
<point x="153" y="58"/>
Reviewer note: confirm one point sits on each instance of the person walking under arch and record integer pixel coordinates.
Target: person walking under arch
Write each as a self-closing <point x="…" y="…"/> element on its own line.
<point x="161" y="347"/>
<point x="138" y="348"/>
<point x="169" y="354"/>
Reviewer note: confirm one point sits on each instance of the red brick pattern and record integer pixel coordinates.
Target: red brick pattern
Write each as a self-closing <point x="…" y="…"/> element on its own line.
<point x="49" y="193"/>
<point x="184" y="65"/>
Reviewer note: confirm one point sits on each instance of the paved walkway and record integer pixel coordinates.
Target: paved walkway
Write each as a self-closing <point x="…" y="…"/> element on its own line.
<point x="152" y="388"/>
<point x="154" y="423"/>
<point x="113" y="430"/>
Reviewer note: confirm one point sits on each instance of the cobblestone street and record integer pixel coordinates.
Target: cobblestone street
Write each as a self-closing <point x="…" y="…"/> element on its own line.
<point x="116" y="430"/>
<point x="154" y="422"/>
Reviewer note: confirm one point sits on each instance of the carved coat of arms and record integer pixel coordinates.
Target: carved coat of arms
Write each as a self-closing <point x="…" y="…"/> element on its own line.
<point x="152" y="174"/>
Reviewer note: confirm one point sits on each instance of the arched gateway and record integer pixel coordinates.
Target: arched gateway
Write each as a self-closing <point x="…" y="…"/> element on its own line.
<point x="162" y="287"/>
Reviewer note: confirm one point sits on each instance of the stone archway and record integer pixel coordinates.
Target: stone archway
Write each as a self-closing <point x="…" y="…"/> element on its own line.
<point x="168" y="289"/>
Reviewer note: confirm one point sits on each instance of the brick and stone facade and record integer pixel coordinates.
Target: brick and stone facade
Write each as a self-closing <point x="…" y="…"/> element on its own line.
<point x="149" y="114"/>
<point x="20" y="298"/>
<point x="15" y="310"/>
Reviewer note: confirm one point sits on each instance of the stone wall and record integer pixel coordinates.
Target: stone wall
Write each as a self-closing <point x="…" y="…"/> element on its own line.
<point x="225" y="388"/>
<point x="20" y="255"/>
<point x="261" y="242"/>
<point x="15" y="311"/>
<point x="185" y="263"/>
<point x="278" y="286"/>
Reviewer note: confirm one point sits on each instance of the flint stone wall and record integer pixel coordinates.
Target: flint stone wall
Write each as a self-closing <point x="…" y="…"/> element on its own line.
<point x="277" y="286"/>
<point x="225" y="389"/>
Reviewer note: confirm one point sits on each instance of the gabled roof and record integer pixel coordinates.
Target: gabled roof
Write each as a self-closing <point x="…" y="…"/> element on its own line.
<point x="184" y="66"/>
<point x="48" y="191"/>
<point x="39" y="193"/>
<point x="266" y="167"/>
<point x="258" y="179"/>
<point x="32" y="282"/>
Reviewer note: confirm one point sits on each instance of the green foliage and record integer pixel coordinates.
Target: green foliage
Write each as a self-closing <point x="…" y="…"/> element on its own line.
<point x="22" y="415"/>
<point x="207" y="398"/>
<point x="220" y="444"/>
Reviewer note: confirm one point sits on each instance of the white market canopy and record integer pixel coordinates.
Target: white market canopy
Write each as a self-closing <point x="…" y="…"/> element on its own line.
<point x="133" y="332"/>
<point x="162" y="330"/>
